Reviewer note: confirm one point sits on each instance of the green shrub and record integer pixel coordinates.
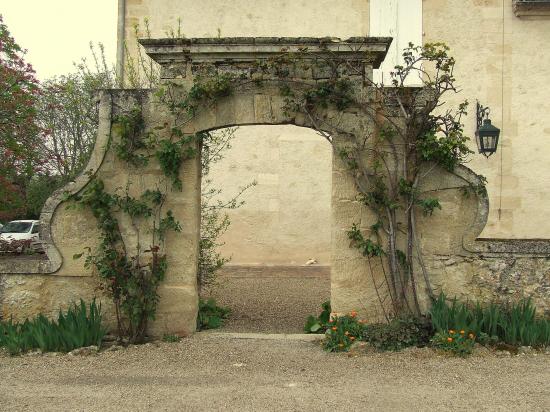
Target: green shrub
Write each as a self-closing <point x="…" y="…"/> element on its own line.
<point x="398" y="334"/>
<point x="211" y="316"/>
<point x="342" y="332"/>
<point x="76" y="328"/>
<point x="318" y="324"/>
<point x="514" y="323"/>
<point x="460" y="343"/>
<point x="170" y="338"/>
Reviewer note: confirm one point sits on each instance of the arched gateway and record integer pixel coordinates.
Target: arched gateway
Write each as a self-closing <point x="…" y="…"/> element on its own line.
<point x="452" y="253"/>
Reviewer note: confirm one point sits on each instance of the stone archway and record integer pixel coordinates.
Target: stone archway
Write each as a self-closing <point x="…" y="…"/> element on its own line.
<point x="45" y="285"/>
<point x="459" y="263"/>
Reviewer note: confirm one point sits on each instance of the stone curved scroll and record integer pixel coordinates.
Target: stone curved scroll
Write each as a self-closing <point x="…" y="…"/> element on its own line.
<point x="54" y="259"/>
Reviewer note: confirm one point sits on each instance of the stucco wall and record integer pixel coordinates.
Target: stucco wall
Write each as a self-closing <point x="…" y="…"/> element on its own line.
<point x="284" y="220"/>
<point x="286" y="216"/>
<point x="502" y="62"/>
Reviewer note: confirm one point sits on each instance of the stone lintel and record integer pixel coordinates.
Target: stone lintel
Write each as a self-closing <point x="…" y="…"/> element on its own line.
<point x="369" y="50"/>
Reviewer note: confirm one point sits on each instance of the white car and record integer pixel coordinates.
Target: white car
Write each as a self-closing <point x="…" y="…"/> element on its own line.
<point x="20" y="230"/>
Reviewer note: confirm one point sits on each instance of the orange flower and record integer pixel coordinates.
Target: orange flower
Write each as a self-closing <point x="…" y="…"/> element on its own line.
<point x="352" y="338"/>
<point x="449" y="339"/>
<point x="451" y="331"/>
<point x="353" y="313"/>
<point x="462" y="332"/>
<point x="330" y="321"/>
<point x="471" y="336"/>
<point x="334" y="328"/>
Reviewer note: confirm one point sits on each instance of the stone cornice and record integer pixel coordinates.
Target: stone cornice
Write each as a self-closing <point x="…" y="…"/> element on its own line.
<point x="370" y="50"/>
<point x="531" y="8"/>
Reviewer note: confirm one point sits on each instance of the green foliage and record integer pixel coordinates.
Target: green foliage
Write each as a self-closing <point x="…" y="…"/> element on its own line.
<point x="39" y="188"/>
<point x="479" y="189"/>
<point x="130" y="126"/>
<point x="460" y="343"/>
<point x="205" y="90"/>
<point x="428" y="205"/>
<point x="212" y="87"/>
<point x="169" y="338"/>
<point x="399" y="333"/>
<point x="514" y="324"/>
<point x="333" y="92"/>
<point x="170" y="156"/>
<point x="318" y="324"/>
<point x="131" y="280"/>
<point x="167" y="223"/>
<point x="342" y="332"/>
<point x="22" y="150"/>
<point x="79" y="327"/>
<point x="210" y="315"/>
<point x="368" y="247"/>
<point x="448" y="150"/>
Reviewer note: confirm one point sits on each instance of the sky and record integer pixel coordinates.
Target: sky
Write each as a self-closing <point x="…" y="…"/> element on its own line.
<point x="57" y="33"/>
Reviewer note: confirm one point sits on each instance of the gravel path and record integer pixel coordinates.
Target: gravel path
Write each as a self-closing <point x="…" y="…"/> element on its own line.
<point x="213" y="372"/>
<point x="271" y="299"/>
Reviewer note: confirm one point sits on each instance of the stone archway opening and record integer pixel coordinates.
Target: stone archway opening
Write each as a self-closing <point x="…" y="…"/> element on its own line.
<point x="279" y="237"/>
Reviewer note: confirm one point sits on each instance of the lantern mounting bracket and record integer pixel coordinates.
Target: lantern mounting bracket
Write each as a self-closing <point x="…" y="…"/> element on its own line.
<point x="481" y="112"/>
<point x="486" y="134"/>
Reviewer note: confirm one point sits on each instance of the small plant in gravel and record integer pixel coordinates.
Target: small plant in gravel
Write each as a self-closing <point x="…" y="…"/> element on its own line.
<point x="170" y="338"/>
<point x="399" y="333"/>
<point x="342" y="332"/>
<point x="318" y="324"/>
<point x="211" y="316"/>
<point x="460" y="343"/>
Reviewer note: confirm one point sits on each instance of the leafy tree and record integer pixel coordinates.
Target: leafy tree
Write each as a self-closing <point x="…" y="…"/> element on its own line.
<point x="68" y="113"/>
<point x="21" y="154"/>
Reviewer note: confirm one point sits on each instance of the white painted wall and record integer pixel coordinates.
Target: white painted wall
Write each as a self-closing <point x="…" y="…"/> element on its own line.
<point x="402" y="20"/>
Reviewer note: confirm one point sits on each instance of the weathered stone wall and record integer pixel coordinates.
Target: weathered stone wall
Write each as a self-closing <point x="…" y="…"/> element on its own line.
<point x="459" y="264"/>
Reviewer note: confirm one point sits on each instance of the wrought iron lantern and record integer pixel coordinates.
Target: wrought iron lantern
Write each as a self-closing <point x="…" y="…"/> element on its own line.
<point x="486" y="134"/>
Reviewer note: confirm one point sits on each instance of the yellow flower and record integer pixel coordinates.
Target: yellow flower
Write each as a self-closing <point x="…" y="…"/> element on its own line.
<point x="462" y="332"/>
<point x="471" y="336"/>
<point x="451" y="331"/>
<point x="346" y="333"/>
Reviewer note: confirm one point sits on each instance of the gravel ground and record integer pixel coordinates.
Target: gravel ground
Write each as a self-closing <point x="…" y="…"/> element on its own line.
<point x="271" y="299"/>
<point x="217" y="372"/>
